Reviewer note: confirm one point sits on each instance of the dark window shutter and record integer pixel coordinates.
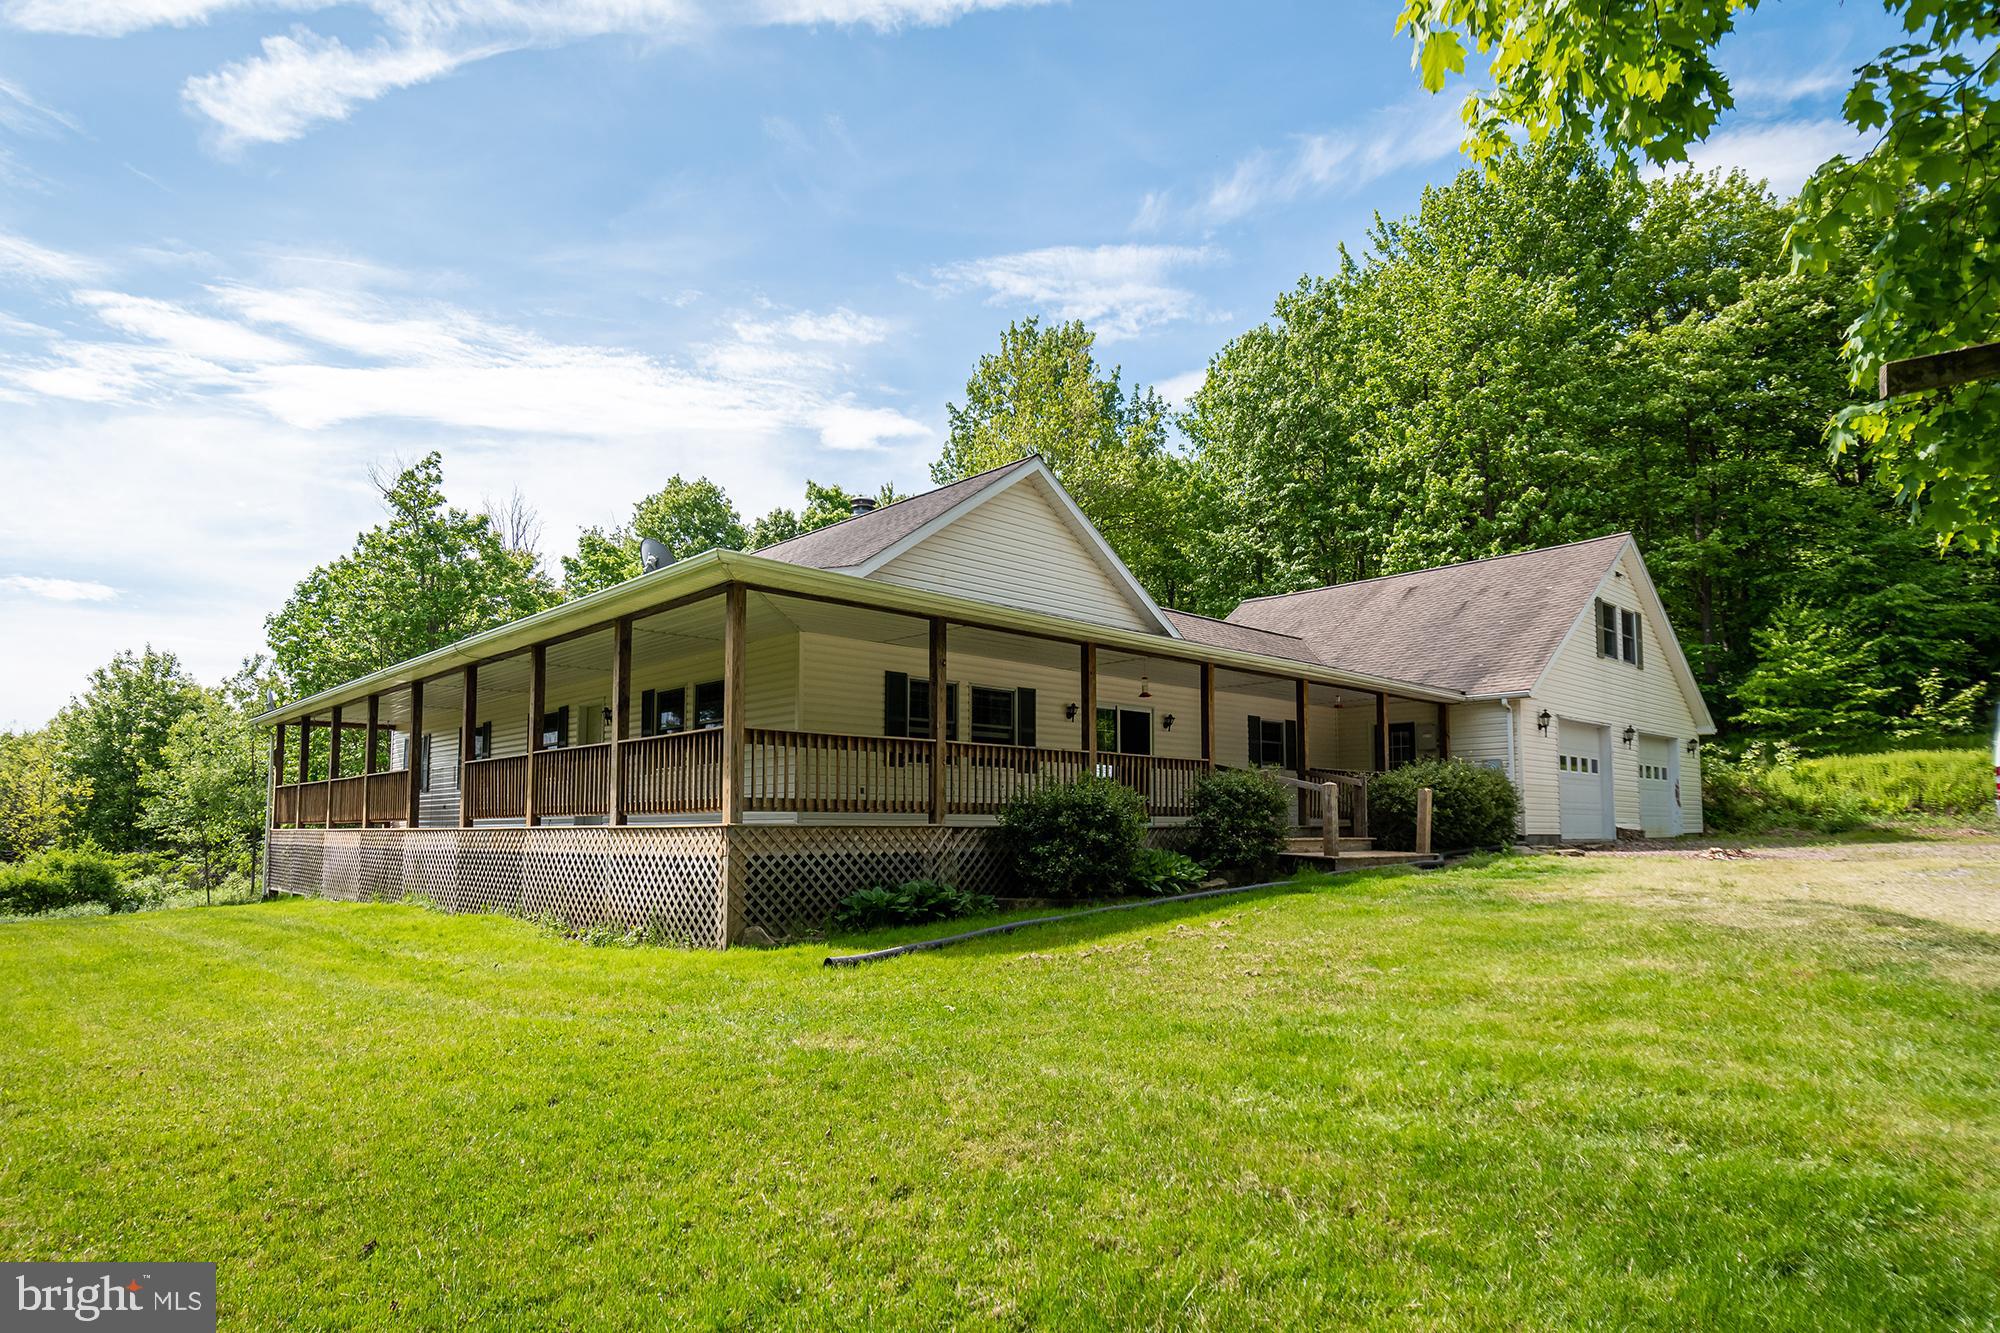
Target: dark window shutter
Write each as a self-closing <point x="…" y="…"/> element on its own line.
<point x="1024" y="717"/>
<point x="1639" y="640"/>
<point x="424" y="764"/>
<point x="646" y="713"/>
<point x="562" y="727"/>
<point x="951" y="711"/>
<point x="1291" y="744"/>
<point x="1256" y="741"/>
<point x="1597" y="618"/>
<point x="895" y="703"/>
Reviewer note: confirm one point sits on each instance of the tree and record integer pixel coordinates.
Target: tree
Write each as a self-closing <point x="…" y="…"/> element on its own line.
<point x="39" y="797"/>
<point x="429" y="576"/>
<point x="1811" y="685"/>
<point x="1044" y="393"/>
<point x="687" y="517"/>
<point x="824" y="505"/>
<point x="108" y="736"/>
<point x="205" y="794"/>
<point x="1923" y="201"/>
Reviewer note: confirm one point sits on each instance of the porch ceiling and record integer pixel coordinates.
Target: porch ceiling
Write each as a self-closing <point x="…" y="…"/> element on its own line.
<point x="861" y="604"/>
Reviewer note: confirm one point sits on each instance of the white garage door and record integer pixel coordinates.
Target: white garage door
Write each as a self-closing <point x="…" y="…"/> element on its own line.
<point x="1659" y="808"/>
<point x="1581" y="758"/>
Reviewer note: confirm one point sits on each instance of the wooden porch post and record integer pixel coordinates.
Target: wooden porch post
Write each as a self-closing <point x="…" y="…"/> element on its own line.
<point x="305" y="748"/>
<point x="940" y="718"/>
<point x="277" y="775"/>
<point x="733" y="617"/>
<point x="413" y="753"/>
<point x="1090" y="707"/>
<point x="468" y="727"/>
<point x="537" y="701"/>
<point x="1304" y="715"/>
<point x="1208" y="712"/>
<point x="368" y="755"/>
<point x="1381" y="733"/>
<point x="621" y="690"/>
<point x="1444" y="732"/>
<point x="333" y="751"/>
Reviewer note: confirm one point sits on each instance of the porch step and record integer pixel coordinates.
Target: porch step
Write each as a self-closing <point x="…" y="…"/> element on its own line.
<point x="1360" y="859"/>
<point x="1310" y="843"/>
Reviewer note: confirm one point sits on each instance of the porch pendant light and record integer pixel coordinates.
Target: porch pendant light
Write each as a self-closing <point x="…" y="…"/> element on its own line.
<point x="1145" y="687"/>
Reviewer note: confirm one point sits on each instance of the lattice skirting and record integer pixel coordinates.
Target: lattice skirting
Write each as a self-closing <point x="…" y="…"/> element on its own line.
<point x="634" y="877"/>
<point x="704" y="884"/>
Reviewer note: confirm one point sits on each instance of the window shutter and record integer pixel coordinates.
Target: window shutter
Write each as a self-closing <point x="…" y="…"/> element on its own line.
<point x="1024" y="717"/>
<point x="647" y="714"/>
<point x="562" y="727"/>
<point x="1256" y="741"/>
<point x="1291" y="744"/>
<point x="1639" y="640"/>
<point x="895" y="703"/>
<point x="1597" y="618"/>
<point x="951" y="711"/>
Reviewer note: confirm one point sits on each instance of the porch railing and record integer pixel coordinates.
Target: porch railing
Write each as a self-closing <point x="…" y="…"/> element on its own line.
<point x="575" y="780"/>
<point x="389" y="797"/>
<point x="829" y="773"/>
<point x="676" y="774"/>
<point x="496" y="788"/>
<point x="980" y="778"/>
<point x="1167" y="784"/>
<point x="344" y="800"/>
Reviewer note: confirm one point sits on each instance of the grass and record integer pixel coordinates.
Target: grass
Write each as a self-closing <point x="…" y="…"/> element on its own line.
<point x="1835" y="793"/>
<point x="1609" y="1091"/>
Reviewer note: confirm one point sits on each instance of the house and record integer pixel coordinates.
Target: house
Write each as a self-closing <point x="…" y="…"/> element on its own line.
<point x="737" y="741"/>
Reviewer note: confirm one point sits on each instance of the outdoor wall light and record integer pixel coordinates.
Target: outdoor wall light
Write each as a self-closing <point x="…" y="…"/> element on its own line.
<point x="1167" y="722"/>
<point x="1694" y="746"/>
<point x="1542" y="722"/>
<point x="1630" y="732"/>
<point x="607" y="717"/>
<point x="1069" y="712"/>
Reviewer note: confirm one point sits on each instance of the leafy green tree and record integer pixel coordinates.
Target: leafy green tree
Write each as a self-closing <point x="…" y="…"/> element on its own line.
<point x="1810" y="686"/>
<point x="687" y="517"/>
<point x="824" y="505"/>
<point x="112" y="733"/>
<point x="428" y="576"/>
<point x="205" y="794"/>
<point x="1044" y="393"/>
<point x="39" y="796"/>
<point x="1922" y="201"/>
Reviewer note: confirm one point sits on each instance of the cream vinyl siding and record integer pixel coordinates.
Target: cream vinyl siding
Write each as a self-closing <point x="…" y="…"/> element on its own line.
<point x="1351" y="730"/>
<point x="1607" y="691"/>
<point x="1479" y="734"/>
<point x="1016" y="549"/>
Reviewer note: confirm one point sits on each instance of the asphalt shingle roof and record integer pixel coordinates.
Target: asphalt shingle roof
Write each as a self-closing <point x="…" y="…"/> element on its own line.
<point x="1240" y="638"/>
<point x="855" y="541"/>
<point x="1485" y="627"/>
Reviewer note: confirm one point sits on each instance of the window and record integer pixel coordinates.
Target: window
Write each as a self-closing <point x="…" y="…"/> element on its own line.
<point x="1402" y="743"/>
<point x="1618" y="634"/>
<point x="708" y="704"/>
<point x="1274" y="743"/>
<point x="555" y="729"/>
<point x="482" y="741"/>
<point x="992" y="716"/>
<point x="920" y="710"/>
<point x="663" y="712"/>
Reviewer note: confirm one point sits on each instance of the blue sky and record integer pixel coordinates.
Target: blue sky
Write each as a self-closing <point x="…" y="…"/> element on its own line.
<point x="249" y="249"/>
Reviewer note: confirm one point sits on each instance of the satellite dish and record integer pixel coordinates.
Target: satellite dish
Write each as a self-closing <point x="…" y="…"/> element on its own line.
<point x="654" y="555"/>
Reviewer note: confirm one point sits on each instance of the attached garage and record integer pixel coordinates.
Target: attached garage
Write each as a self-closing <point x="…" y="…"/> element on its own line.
<point x="1584" y="778"/>
<point x="1659" y="787"/>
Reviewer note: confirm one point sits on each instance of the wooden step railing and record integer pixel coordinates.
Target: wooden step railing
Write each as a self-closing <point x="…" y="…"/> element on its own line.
<point x="575" y="780"/>
<point x="676" y="774"/>
<point x="980" y="779"/>
<point x="830" y="773"/>
<point x="496" y="788"/>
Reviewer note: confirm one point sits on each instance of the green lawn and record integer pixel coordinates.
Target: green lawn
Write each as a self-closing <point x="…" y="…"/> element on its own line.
<point x="1547" y="1091"/>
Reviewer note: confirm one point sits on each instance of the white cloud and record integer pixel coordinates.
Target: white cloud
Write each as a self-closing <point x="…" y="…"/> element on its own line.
<point x="845" y="427"/>
<point x="1120" y="290"/>
<point x="1412" y="134"/>
<point x="305" y="78"/>
<point x="1782" y="153"/>
<point x="22" y="114"/>
<point x="202" y="336"/>
<point x="23" y="258"/>
<point x="1177" y="389"/>
<point x="58" y="590"/>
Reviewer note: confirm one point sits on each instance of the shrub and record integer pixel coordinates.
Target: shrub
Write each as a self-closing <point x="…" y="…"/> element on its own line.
<point x="908" y="904"/>
<point x="54" y="880"/>
<point x="1161" y="873"/>
<point x="1076" y="840"/>
<point x="1471" y="806"/>
<point x="1239" y="823"/>
<point x="1832" y="794"/>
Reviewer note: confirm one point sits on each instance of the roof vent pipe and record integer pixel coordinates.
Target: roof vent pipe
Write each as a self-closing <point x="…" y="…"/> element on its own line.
<point x="857" y="505"/>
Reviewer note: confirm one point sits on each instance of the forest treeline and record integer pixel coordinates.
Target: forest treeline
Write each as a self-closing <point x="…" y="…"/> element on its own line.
<point x="1541" y="353"/>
